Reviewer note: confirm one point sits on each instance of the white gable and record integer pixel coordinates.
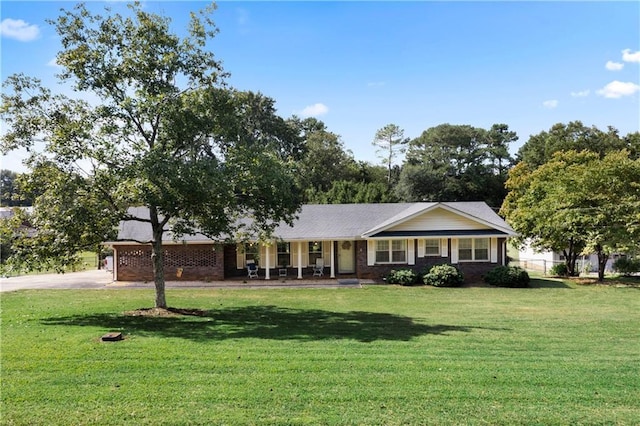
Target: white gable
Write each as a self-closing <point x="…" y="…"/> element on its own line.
<point x="438" y="219"/>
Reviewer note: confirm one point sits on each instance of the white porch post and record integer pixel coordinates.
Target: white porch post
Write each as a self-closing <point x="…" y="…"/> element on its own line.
<point x="333" y="262"/>
<point x="267" y="266"/>
<point x="299" y="260"/>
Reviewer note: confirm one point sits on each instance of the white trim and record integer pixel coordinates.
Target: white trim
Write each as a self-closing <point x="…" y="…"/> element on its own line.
<point x="421" y="247"/>
<point x="390" y="223"/>
<point x="300" y="245"/>
<point x="267" y="264"/>
<point x="444" y="247"/>
<point x="333" y="263"/>
<point x="493" y="250"/>
<point x="371" y="253"/>
<point x="454" y="251"/>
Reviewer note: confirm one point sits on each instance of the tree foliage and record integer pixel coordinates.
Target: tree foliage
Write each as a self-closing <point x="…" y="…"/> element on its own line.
<point x="390" y="142"/>
<point x="574" y="136"/>
<point x="457" y="163"/>
<point x="577" y="202"/>
<point x="11" y="193"/>
<point x="166" y="133"/>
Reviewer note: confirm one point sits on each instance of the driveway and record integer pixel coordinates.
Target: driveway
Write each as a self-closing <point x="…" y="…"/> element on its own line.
<point x="84" y="279"/>
<point x="101" y="279"/>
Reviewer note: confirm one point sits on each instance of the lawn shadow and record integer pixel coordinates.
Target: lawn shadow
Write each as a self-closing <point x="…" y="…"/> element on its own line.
<point x="541" y="282"/>
<point x="264" y="322"/>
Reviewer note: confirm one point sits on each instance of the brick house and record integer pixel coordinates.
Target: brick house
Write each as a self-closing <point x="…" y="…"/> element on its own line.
<point x="352" y="240"/>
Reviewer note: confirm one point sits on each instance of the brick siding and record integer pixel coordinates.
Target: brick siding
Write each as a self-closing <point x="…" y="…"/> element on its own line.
<point x="193" y="262"/>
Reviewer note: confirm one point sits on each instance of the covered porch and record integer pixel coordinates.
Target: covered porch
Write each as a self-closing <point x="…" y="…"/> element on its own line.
<point x="293" y="259"/>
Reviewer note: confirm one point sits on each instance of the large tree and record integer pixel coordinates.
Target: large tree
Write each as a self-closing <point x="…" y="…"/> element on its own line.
<point x="390" y="142"/>
<point x="572" y="136"/>
<point x="323" y="158"/>
<point x="165" y="133"/>
<point x="577" y="202"/>
<point x="457" y="163"/>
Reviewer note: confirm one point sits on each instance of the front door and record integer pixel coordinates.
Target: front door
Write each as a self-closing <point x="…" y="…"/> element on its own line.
<point x="346" y="258"/>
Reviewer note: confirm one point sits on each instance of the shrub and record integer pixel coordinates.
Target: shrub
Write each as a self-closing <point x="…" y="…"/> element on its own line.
<point x="559" y="270"/>
<point x="402" y="277"/>
<point x="507" y="276"/>
<point x="444" y="276"/>
<point x="626" y="266"/>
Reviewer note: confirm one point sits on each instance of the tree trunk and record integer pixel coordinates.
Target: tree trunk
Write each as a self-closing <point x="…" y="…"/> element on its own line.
<point x="157" y="258"/>
<point x="602" y="262"/>
<point x="571" y="257"/>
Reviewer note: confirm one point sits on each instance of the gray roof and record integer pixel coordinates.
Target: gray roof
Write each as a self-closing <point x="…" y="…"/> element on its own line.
<point x="340" y="221"/>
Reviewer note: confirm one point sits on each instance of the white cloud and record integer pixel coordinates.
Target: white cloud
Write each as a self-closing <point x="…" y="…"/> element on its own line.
<point x="18" y="30"/>
<point x="581" y="94"/>
<point x="550" y="104"/>
<point x="314" y="110"/>
<point x="614" y="66"/>
<point x="617" y="89"/>
<point x="54" y="63"/>
<point x="629" y="56"/>
<point x="376" y="84"/>
<point x="242" y="16"/>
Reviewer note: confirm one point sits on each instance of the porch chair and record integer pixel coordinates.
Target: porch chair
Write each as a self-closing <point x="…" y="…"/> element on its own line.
<point x="318" y="268"/>
<point x="252" y="269"/>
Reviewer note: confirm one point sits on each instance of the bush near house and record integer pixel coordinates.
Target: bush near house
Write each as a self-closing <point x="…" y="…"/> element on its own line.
<point x="559" y="270"/>
<point x="444" y="276"/>
<point x="402" y="277"/>
<point x="626" y="266"/>
<point x="507" y="276"/>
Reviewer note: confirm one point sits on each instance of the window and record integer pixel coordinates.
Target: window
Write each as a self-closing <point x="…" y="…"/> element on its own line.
<point x="481" y="249"/>
<point x="391" y="251"/>
<point x="251" y="253"/>
<point x="284" y="254"/>
<point x="382" y="252"/>
<point x="315" y="251"/>
<point x="399" y="250"/>
<point x="473" y="249"/>
<point x="432" y="247"/>
<point x="465" y="249"/>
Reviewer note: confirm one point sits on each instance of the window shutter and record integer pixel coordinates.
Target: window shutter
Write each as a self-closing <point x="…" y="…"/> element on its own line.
<point x="454" y="250"/>
<point x="294" y="253"/>
<point x="326" y="252"/>
<point x="273" y="252"/>
<point x="411" y="251"/>
<point x="444" y="247"/>
<point x="371" y="252"/>
<point x="304" y="247"/>
<point x="262" y="262"/>
<point x="493" y="250"/>
<point x="420" y="248"/>
<point x="240" y="256"/>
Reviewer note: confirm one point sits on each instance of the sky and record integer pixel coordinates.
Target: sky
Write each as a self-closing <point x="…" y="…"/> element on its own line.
<point x="359" y="66"/>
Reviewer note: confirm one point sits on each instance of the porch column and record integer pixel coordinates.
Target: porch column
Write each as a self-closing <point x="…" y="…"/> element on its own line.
<point x="299" y="260"/>
<point x="267" y="274"/>
<point x="333" y="262"/>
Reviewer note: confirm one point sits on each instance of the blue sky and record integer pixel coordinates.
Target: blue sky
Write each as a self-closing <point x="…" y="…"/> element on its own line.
<point x="358" y="66"/>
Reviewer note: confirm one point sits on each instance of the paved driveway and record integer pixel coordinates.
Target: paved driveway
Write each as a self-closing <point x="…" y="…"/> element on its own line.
<point x="102" y="279"/>
<point x="84" y="279"/>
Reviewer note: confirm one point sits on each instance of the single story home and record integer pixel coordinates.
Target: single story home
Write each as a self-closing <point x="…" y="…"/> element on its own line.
<point x="363" y="241"/>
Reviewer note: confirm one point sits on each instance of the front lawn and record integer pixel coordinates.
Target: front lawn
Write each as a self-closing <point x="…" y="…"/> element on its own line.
<point x="555" y="354"/>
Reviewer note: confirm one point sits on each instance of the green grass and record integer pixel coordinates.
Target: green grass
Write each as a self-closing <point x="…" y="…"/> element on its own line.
<point x="555" y="354"/>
